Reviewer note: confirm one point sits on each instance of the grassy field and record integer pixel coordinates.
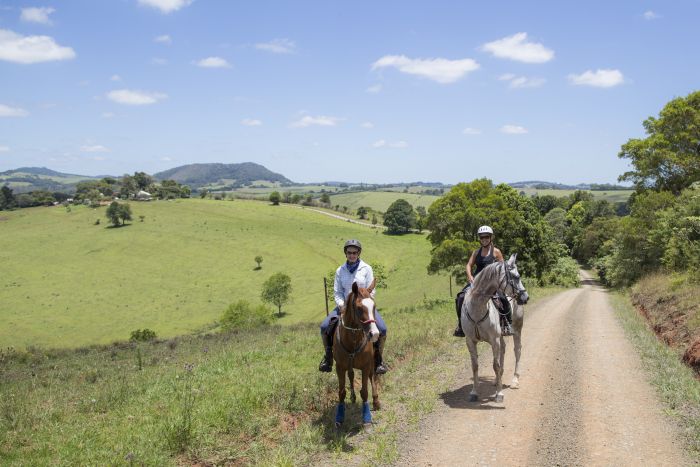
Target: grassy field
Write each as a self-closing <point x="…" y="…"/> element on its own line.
<point x="249" y="398"/>
<point x="379" y="200"/>
<point x="67" y="282"/>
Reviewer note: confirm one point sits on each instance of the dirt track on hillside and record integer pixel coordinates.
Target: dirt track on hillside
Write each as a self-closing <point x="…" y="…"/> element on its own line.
<point x="583" y="399"/>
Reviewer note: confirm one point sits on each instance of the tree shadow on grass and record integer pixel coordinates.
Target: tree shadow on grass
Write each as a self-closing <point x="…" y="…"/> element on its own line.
<point x="337" y="439"/>
<point x="459" y="398"/>
<point x="117" y="226"/>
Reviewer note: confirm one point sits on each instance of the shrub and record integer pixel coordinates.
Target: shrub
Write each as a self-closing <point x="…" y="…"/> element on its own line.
<point x="241" y="315"/>
<point x="142" y="335"/>
<point x="563" y="273"/>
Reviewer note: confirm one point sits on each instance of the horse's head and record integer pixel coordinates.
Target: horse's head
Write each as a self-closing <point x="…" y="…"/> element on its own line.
<point x="513" y="281"/>
<point x="359" y="310"/>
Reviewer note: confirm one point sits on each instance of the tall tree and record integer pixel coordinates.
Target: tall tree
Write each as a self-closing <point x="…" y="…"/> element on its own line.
<point x="669" y="157"/>
<point x="276" y="290"/>
<point x="400" y="217"/>
<point x="7" y="198"/>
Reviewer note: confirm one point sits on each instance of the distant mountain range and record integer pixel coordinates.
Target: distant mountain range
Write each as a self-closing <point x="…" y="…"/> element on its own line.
<point x="221" y="176"/>
<point x="225" y="175"/>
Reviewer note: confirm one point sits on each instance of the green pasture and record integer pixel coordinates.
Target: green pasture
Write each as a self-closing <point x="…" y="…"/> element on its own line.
<point x="67" y="282"/>
<point x="379" y="200"/>
<point x="613" y="196"/>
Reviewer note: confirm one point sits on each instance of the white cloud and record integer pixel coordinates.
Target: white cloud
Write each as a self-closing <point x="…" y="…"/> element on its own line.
<point x="525" y="82"/>
<point x="278" y="46"/>
<point x="321" y="120"/>
<point x="31" y="49"/>
<point x="251" y="122"/>
<point x="108" y="115"/>
<point x="213" y="62"/>
<point x="166" y="6"/>
<point x="164" y="39"/>
<point x="37" y="15"/>
<point x="166" y="158"/>
<point x="599" y="78"/>
<point x="129" y="97"/>
<point x="516" y="48"/>
<point x="4" y="148"/>
<point x="7" y="111"/>
<point x="159" y="61"/>
<point x="471" y="131"/>
<point x="506" y="77"/>
<point x="513" y="130"/>
<point x="385" y="144"/>
<point x="649" y="15"/>
<point x="374" y="89"/>
<point x="367" y="125"/>
<point x="441" y="70"/>
<point x="115" y="78"/>
<point x="94" y="148"/>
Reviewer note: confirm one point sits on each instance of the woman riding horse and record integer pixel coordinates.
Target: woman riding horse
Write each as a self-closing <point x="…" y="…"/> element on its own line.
<point x="354" y="270"/>
<point x="482" y="257"/>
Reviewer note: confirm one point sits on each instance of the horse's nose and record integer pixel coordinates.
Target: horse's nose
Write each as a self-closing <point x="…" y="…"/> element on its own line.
<point x="524" y="298"/>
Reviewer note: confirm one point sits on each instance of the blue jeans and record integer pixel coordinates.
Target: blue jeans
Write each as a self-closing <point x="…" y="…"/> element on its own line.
<point x="335" y="315"/>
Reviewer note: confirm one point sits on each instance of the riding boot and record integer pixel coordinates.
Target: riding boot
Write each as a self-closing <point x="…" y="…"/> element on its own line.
<point x="326" y="364"/>
<point x="508" y="313"/>
<point x="458" y="305"/>
<point x="379" y="367"/>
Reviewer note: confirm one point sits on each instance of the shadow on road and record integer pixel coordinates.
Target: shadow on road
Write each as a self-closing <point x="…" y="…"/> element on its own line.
<point x="459" y="398"/>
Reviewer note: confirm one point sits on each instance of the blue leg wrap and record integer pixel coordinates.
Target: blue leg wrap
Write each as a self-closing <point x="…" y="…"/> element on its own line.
<point x="366" y="414"/>
<point x="340" y="413"/>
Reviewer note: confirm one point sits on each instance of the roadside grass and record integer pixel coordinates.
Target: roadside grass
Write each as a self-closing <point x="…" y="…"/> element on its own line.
<point x="67" y="282"/>
<point x="380" y="200"/>
<point x="675" y="382"/>
<point x="253" y="397"/>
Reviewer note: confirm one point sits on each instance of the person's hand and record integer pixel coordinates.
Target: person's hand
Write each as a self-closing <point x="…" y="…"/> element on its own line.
<point x="471" y="280"/>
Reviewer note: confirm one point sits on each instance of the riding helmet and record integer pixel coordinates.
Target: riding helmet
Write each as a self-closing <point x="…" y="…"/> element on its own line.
<point x="353" y="242"/>
<point x="484" y="229"/>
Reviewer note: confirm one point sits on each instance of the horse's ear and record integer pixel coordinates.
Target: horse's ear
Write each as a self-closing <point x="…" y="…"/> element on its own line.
<point x="354" y="287"/>
<point x="511" y="260"/>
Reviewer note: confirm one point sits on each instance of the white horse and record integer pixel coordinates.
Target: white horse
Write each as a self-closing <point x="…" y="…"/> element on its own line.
<point x="481" y="320"/>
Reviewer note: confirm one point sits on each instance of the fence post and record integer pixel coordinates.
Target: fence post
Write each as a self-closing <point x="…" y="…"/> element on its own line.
<point x="325" y="294"/>
<point x="450" y="285"/>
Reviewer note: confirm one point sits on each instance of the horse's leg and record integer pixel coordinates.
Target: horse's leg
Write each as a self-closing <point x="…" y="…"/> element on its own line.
<point x="517" y="346"/>
<point x="496" y="347"/>
<point x="471" y="345"/>
<point x="366" y="414"/>
<point x="351" y="379"/>
<point x="375" y="391"/>
<point x="340" y="410"/>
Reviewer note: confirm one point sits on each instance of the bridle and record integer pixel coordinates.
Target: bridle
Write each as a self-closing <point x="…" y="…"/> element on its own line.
<point x="365" y="335"/>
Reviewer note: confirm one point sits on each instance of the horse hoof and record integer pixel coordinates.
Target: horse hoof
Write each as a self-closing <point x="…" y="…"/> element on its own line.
<point x="473" y="397"/>
<point x="499" y="397"/>
<point x="367" y="427"/>
<point x="338" y="425"/>
<point x="377" y="406"/>
<point x="514" y="385"/>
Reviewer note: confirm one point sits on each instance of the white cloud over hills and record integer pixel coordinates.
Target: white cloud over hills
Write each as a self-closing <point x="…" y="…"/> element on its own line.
<point x="130" y="97"/>
<point x="166" y="6"/>
<point x="31" y="49"/>
<point x="599" y="78"/>
<point x="7" y="111"/>
<point x="213" y="62"/>
<point x="37" y="15"/>
<point x="278" y="46"/>
<point x="441" y="70"/>
<point x="517" y="48"/>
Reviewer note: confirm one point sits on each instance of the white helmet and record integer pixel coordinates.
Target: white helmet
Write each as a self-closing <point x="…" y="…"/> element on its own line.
<point x="484" y="229"/>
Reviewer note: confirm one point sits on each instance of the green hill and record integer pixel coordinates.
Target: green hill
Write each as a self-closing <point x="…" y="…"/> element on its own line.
<point x="27" y="179"/>
<point x="69" y="283"/>
<point x="379" y="200"/>
<point x="231" y="175"/>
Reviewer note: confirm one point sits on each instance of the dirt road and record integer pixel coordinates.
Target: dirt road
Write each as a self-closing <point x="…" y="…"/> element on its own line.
<point x="583" y="399"/>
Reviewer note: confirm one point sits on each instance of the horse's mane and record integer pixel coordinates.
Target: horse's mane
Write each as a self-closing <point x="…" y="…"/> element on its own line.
<point x="486" y="276"/>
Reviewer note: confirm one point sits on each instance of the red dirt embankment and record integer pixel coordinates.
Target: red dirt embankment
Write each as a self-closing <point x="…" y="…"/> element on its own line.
<point x="671" y="305"/>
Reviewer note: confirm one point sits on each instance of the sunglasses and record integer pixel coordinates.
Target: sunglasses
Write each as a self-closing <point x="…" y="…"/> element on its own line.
<point x="484" y="237"/>
<point x="352" y="252"/>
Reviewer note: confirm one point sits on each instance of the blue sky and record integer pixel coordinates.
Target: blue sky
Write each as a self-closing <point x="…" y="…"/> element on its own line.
<point x="375" y="92"/>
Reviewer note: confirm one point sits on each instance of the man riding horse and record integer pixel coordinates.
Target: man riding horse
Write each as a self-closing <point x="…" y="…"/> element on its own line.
<point x="354" y="270"/>
<point x="486" y="254"/>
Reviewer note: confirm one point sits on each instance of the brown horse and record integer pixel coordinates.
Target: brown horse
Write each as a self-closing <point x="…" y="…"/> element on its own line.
<point x="352" y="348"/>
